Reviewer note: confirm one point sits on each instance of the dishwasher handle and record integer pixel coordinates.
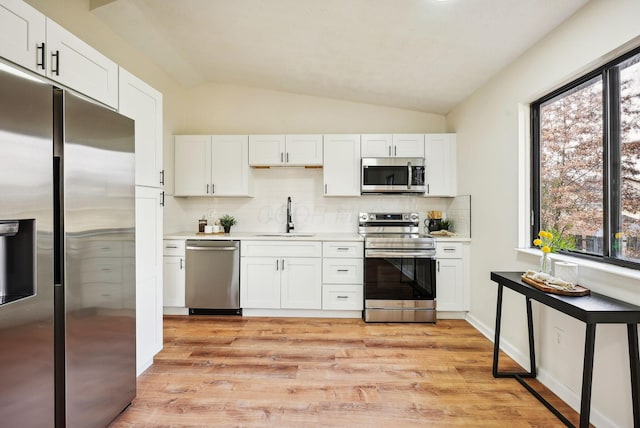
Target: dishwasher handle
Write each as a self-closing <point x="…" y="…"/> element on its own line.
<point x="213" y="248"/>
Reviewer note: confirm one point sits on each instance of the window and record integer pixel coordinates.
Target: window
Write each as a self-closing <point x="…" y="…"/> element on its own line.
<point x="586" y="162"/>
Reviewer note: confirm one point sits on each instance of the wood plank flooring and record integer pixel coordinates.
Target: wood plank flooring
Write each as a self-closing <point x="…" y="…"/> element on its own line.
<point x="293" y="372"/>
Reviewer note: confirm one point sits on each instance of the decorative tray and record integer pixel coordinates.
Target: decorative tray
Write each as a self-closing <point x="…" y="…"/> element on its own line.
<point x="577" y="291"/>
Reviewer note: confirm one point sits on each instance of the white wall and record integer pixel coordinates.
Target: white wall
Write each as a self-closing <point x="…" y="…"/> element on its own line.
<point x="493" y="164"/>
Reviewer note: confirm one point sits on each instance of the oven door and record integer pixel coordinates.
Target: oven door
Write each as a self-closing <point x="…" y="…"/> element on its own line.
<point x="400" y="286"/>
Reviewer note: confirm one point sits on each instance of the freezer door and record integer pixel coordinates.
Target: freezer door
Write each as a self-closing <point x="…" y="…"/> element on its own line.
<point x="26" y="254"/>
<point x="99" y="264"/>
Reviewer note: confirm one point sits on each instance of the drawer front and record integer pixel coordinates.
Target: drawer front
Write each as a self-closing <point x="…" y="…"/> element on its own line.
<point x="173" y="247"/>
<point x="280" y="249"/>
<point x="342" y="249"/>
<point x="448" y="250"/>
<point x="342" y="297"/>
<point x="342" y="271"/>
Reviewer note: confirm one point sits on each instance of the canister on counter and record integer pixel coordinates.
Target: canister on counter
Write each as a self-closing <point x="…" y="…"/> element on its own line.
<point x="201" y="224"/>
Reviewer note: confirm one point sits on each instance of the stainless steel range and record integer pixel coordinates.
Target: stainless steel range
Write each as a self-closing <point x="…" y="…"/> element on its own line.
<point x="400" y="268"/>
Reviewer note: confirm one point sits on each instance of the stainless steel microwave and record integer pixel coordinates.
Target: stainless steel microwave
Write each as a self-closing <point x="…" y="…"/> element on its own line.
<point x="393" y="175"/>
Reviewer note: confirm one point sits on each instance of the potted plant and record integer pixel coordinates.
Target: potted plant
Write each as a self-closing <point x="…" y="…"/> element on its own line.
<point x="226" y="221"/>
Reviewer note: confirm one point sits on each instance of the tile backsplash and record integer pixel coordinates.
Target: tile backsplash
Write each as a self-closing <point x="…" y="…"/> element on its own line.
<point x="312" y="212"/>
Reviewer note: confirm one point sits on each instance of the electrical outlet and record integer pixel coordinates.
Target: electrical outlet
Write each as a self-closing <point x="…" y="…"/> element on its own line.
<point x="558" y="336"/>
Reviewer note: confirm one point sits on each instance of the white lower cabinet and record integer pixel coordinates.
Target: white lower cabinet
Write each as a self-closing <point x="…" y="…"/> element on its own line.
<point x="281" y="275"/>
<point x="451" y="277"/>
<point x="342" y="275"/>
<point x="174" y="273"/>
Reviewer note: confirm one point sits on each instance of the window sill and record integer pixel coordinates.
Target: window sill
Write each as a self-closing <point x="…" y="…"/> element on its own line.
<point x="582" y="263"/>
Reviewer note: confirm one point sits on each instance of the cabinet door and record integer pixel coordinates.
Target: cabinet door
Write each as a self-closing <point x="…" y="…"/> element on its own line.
<point x="303" y="150"/>
<point x="408" y="145"/>
<point x="301" y="283"/>
<point x="341" y="165"/>
<point x="260" y="282"/>
<point x="230" y="166"/>
<point x="266" y="150"/>
<point x="449" y="285"/>
<point x="376" y="145"/>
<point x="149" y="280"/>
<point x="192" y="159"/>
<point x="440" y="161"/>
<point x="79" y="66"/>
<point x="173" y="289"/>
<point x="143" y="104"/>
<point x="22" y="35"/>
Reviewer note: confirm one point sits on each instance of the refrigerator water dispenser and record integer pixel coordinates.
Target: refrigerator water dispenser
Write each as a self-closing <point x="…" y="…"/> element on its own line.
<point x="17" y="260"/>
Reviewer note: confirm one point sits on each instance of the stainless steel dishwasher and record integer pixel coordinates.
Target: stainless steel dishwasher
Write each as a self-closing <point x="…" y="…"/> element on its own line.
<point x="213" y="277"/>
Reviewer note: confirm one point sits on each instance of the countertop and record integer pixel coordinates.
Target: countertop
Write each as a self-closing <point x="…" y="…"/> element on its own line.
<point x="268" y="236"/>
<point x="302" y="236"/>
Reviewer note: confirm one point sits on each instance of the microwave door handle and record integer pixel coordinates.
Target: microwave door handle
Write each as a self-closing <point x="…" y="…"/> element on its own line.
<point x="410" y="180"/>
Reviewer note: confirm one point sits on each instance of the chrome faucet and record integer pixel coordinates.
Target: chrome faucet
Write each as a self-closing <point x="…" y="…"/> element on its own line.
<point x="290" y="226"/>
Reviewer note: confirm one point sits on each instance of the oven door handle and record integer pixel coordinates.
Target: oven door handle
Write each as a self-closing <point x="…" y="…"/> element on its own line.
<point x="390" y="254"/>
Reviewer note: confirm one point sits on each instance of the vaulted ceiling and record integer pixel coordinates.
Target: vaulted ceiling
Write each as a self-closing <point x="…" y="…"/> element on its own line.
<point x="424" y="55"/>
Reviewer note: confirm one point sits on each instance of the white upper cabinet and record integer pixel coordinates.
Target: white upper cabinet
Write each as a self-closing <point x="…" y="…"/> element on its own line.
<point x="285" y="150"/>
<point x="22" y="35"/>
<point x="143" y="104"/>
<point x="215" y="165"/>
<point x="77" y="65"/>
<point x="31" y="40"/>
<point x="341" y="168"/>
<point x="392" y="145"/>
<point x="408" y="145"/>
<point x="440" y="161"/>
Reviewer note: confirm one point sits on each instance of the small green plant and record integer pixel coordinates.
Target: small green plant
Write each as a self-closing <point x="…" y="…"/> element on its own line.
<point x="227" y="221"/>
<point x="446" y="224"/>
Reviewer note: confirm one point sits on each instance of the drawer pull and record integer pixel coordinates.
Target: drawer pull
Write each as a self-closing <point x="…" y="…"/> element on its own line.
<point x="343" y="249"/>
<point x="449" y="249"/>
<point x="171" y="246"/>
<point x="343" y="270"/>
<point x="342" y="297"/>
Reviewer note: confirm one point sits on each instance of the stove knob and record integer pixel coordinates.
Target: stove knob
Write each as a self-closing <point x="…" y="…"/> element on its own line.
<point x="415" y="217"/>
<point x="363" y="216"/>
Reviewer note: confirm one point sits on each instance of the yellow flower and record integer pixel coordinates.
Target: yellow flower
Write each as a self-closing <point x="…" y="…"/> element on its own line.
<point x="546" y="249"/>
<point x="537" y="242"/>
<point x="545" y="234"/>
<point x="619" y="235"/>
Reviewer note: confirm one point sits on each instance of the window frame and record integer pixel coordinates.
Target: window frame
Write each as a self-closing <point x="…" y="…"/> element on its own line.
<point x="609" y="73"/>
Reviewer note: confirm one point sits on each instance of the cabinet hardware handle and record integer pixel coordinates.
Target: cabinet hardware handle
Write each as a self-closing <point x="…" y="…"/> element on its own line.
<point x="428" y="189"/>
<point x="448" y="249"/>
<point x="282" y="264"/>
<point x="213" y="189"/>
<point x="56" y="70"/>
<point x="342" y="297"/>
<point x="181" y="263"/>
<point x="287" y="157"/>
<point x="162" y="177"/>
<point x="162" y="199"/>
<point x="343" y="270"/>
<point x="395" y="150"/>
<point x="171" y="246"/>
<point x="277" y="264"/>
<point x="343" y="249"/>
<point x="438" y="265"/>
<point x="207" y="189"/>
<point x="325" y="189"/>
<point x="389" y="150"/>
<point x="40" y="62"/>
<point x="281" y="157"/>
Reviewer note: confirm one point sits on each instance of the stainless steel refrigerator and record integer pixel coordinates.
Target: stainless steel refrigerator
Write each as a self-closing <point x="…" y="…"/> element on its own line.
<point x="67" y="258"/>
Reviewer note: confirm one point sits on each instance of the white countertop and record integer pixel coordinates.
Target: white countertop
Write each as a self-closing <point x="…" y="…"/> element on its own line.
<point x="267" y="236"/>
<point x="302" y="236"/>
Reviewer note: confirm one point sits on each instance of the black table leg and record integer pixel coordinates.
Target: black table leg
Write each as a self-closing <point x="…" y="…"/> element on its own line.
<point x="532" y="349"/>
<point x="496" y="340"/>
<point x="587" y="375"/>
<point x="634" y="362"/>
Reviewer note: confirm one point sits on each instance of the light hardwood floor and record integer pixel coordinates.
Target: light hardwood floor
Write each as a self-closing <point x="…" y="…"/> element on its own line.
<point x="293" y="372"/>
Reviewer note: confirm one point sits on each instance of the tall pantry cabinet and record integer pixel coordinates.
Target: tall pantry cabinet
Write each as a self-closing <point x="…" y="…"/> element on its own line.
<point x="142" y="103"/>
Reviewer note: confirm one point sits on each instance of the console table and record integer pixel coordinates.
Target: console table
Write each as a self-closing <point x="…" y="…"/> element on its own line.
<point x="592" y="310"/>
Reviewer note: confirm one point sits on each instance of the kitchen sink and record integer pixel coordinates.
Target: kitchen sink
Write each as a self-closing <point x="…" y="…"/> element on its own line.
<point x="287" y="235"/>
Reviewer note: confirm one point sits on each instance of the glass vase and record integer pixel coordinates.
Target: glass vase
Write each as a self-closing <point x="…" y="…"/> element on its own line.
<point x="545" y="263"/>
